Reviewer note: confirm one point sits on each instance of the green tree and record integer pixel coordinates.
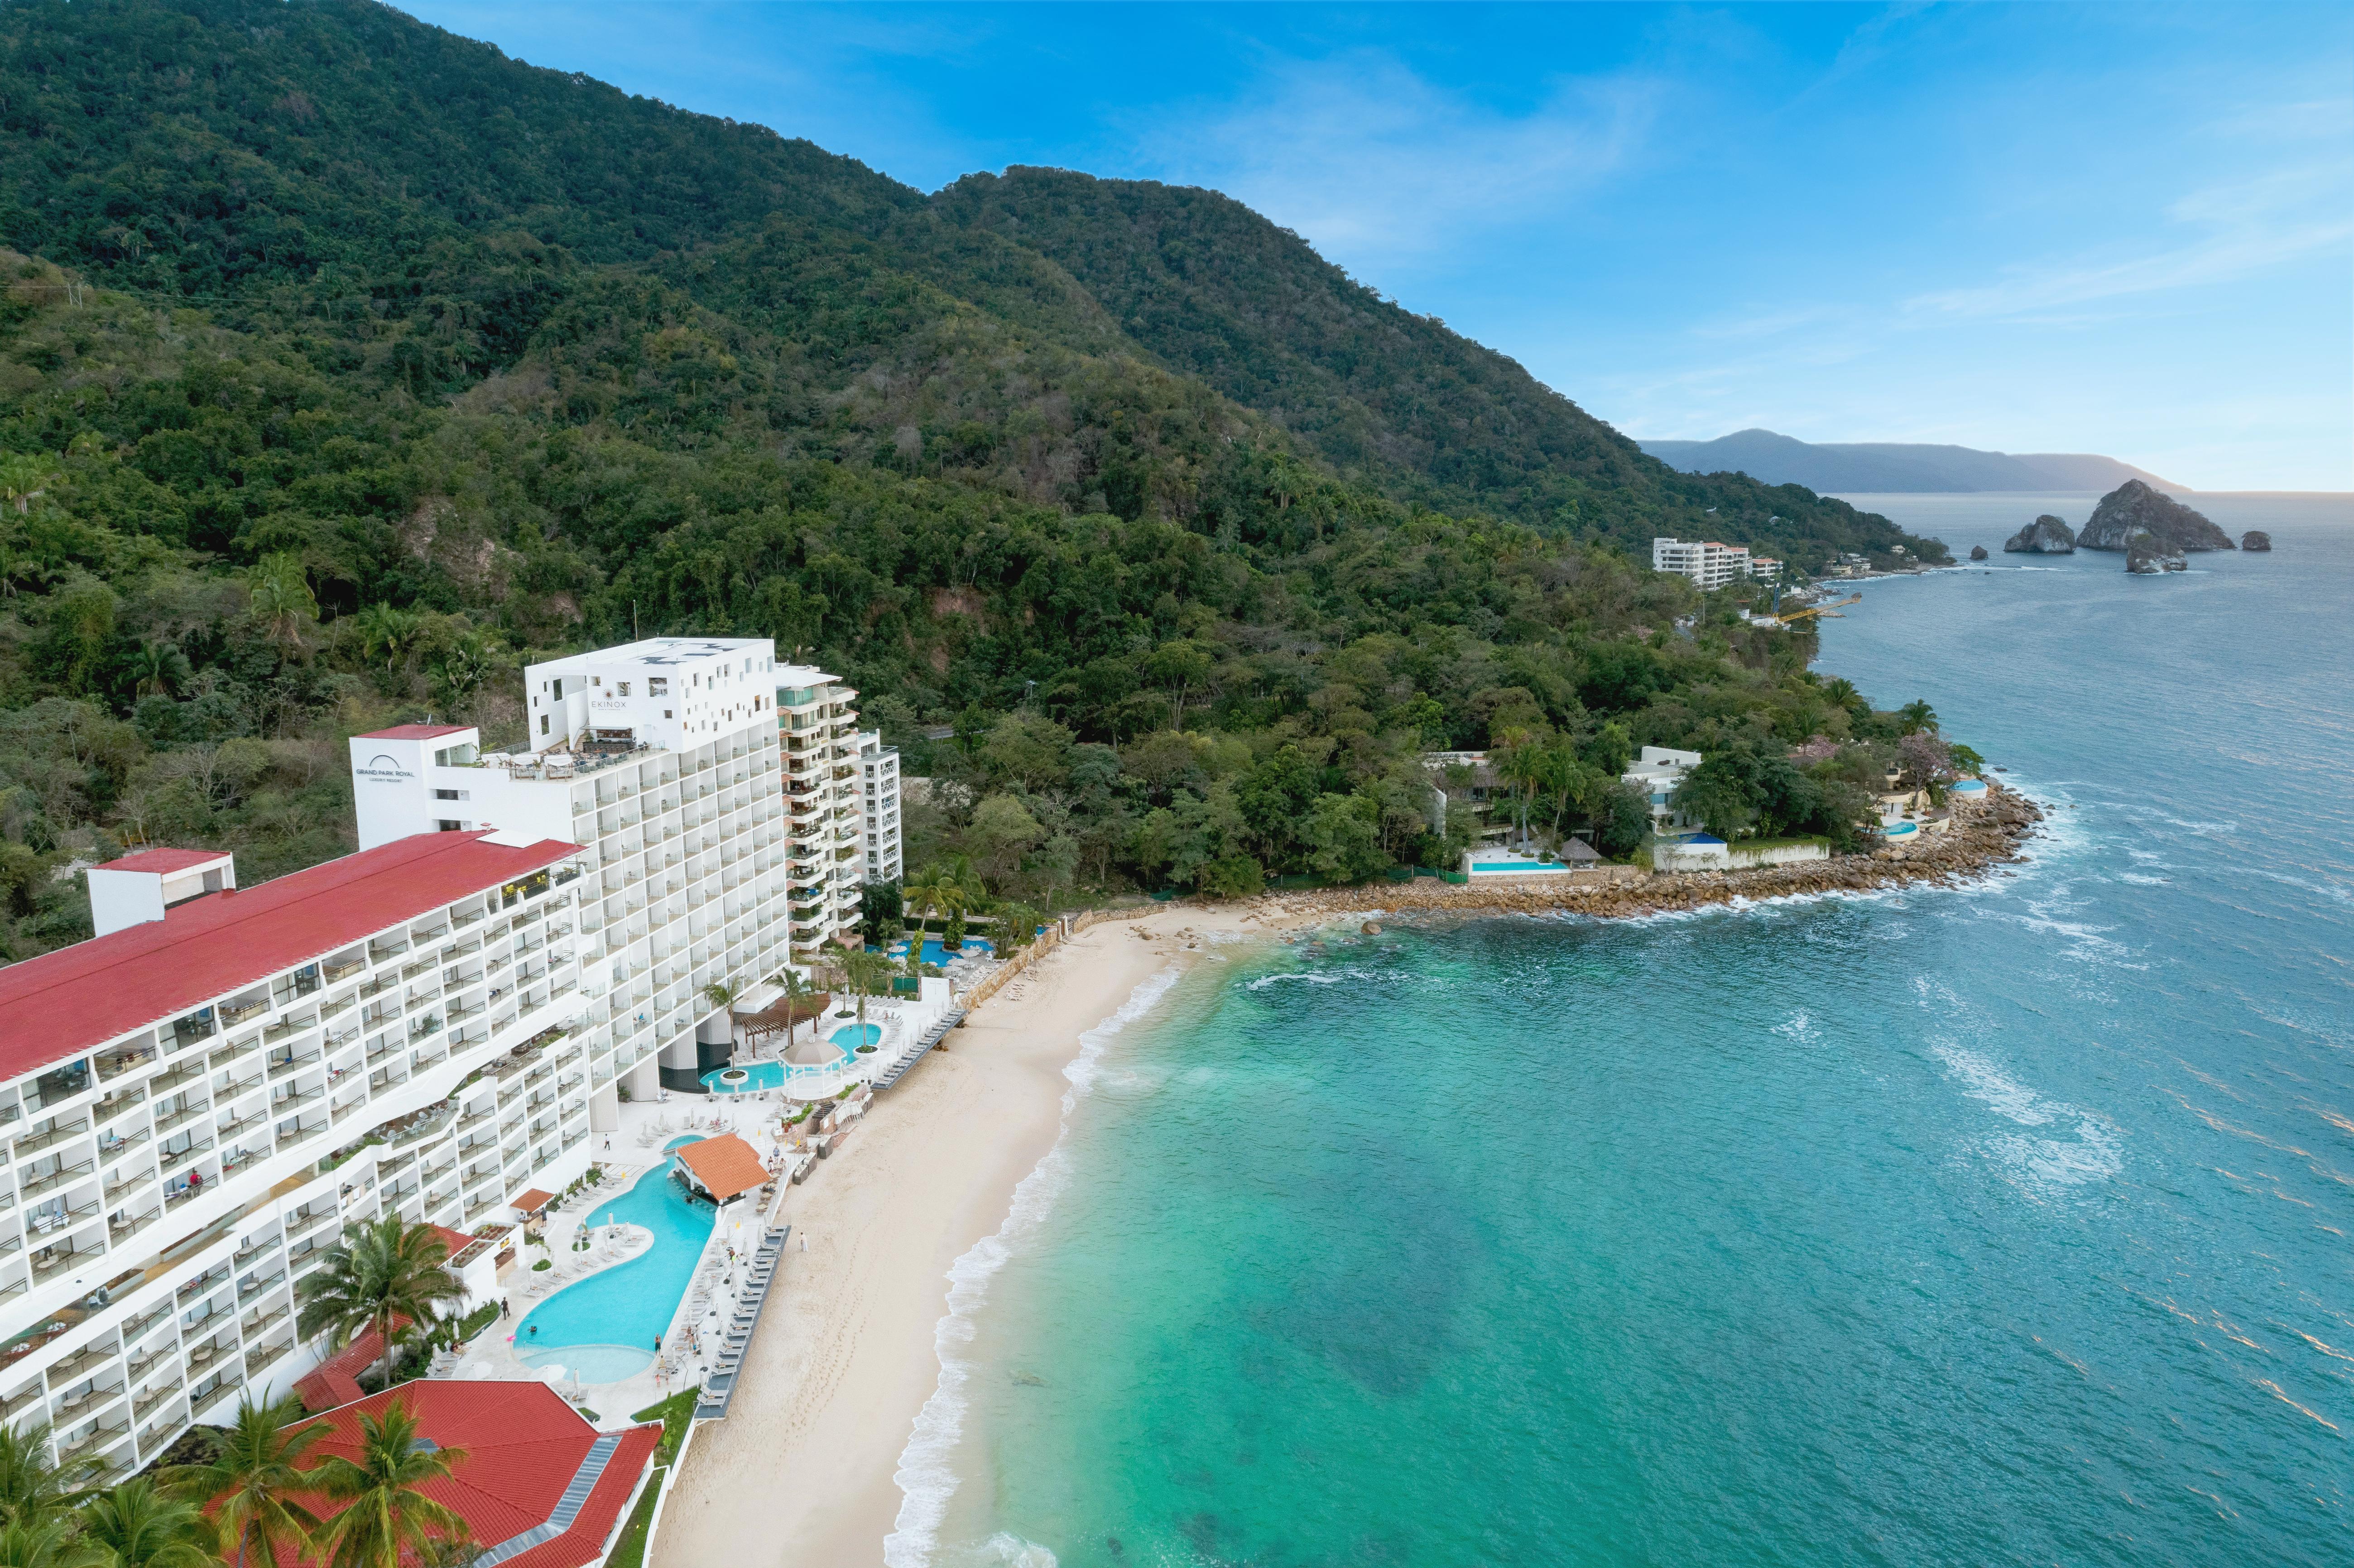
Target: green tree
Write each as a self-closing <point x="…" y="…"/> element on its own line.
<point x="33" y="1488"/>
<point x="386" y="1516"/>
<point x="254" y="1484"/>
<point x="865" y="971"/>
<point x="1002" y="831"/>
<point x="1345" y="835"/>
<point x="51" y="1543"/>
<point x="377" y="1272"/>
<point x="283" y="604"/>
<point x="141" y="1524"/>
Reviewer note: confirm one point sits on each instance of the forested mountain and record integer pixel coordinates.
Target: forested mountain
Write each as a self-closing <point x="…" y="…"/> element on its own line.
<point x="344" y="362"/>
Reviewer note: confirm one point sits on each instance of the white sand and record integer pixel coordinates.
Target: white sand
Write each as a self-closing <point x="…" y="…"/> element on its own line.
<point x="802" y="1469"/>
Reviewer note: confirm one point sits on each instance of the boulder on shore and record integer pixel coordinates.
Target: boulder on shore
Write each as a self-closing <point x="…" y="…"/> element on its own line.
<point x="1978" y="552"/>
<point x="2047" y="536"/>
<point x="2134" y="507"/>
<point x="2147" y="556"/>
<point x="2255" y="539"/>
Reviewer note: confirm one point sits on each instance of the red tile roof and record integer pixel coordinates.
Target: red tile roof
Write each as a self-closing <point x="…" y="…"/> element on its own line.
<point x="725" y="1165"/>
<point x="523" y="1446"/>
<point x="81" y="996"/>
<point x="163" y="862"/>
<point x="414" y="732"/>
<point x="335" y="1381"/>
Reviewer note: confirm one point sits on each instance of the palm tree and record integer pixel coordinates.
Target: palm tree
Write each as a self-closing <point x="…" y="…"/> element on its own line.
<point x="387" y="1517"/>
<point x="51" y="1543"/>
<point x="35" y="1489"/>
<point x="797" y="990"/>
<point x="1520" y="762"/>
<point x="376" y="1273"/>
<point x="1918" y="715"/>
<point x="141" y="1525"/>
<point x="863" y="967"/>
<point x="253" y="1482"/>
<point x="282" y="601"/>
<point x="387" y="633"/>
<point x="926" y="892"/>
<point x="24" y="478"/>
<point x="161" y="666"/>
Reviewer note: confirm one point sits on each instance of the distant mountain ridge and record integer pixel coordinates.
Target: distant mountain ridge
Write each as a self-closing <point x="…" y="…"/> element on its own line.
<point x="1898" y="467"/>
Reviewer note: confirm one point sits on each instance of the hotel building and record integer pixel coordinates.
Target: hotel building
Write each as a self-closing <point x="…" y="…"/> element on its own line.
<point x="1706" y="562"/>
<point x="880" y="766"/>
<point x="816" y="719"/>
<point x="196" y="1102"/>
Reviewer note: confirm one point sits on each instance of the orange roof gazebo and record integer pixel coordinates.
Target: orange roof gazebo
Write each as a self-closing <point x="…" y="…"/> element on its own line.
<point x="722" y="1167"/>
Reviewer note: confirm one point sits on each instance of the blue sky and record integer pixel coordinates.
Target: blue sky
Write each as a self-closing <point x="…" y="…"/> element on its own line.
<point x="2124" y="229"/>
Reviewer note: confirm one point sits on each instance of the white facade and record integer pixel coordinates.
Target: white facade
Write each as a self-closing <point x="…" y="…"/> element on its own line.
<point x="677" y="794"/>
<point x="879" y="765"/>
<point x="1706" y="562"/>
<point x="169" y="1184"/>
<point x="817" y="720"/>
<point x="1657" y="772"/>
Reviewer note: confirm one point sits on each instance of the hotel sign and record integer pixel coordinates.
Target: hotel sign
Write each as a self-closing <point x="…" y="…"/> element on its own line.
<point x="382" y="769"/>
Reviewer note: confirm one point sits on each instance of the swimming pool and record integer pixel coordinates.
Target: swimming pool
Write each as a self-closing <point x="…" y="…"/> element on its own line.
<point x="850" y="1036"/>
<point x="604" y="1327"/>
<point x="974" y="946"/>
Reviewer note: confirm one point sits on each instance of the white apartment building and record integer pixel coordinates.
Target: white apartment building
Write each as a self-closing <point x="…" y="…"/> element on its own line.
<point x="660" y="759"/>
<point x="1706" y="562"/>
<point x="1657" y="772"/>
<point x="196" y="1103"/>
<point x="817" y="720"/>
<point x="880" y="765"/>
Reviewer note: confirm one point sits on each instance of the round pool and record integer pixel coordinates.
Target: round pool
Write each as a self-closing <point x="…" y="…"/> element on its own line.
<point x="854" y="1035"/>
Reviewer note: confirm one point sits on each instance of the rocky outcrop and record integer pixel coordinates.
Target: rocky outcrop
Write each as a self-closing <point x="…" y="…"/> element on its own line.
<point x="1978" y="552"/>
<point x="2047" y="536"/>
<point x="2134" y="507"/>
<point x="1988" y="838"/>
<point x="2147" y="556"/>
<point x="2255" y="539"/>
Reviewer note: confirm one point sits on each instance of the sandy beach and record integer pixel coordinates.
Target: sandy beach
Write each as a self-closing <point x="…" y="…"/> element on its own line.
<point x="802" y="1470"/>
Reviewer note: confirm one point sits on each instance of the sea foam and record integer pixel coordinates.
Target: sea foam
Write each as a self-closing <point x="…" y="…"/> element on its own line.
<point x="926" y="1478"/>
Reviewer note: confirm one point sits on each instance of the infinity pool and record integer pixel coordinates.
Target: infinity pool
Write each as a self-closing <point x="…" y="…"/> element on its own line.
<point x="605" y="1327"/>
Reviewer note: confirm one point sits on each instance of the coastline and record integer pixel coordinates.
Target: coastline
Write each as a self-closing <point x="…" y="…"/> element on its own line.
<point x="839" y="1409"/>
<point x="1975" y="846"/>
<point x="806" y="1469"/>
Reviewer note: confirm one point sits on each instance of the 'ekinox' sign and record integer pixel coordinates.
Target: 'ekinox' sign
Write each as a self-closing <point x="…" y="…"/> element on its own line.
<point x="383" y="769"/>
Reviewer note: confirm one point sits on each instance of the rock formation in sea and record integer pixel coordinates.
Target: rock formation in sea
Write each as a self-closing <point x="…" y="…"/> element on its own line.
<point x="2147" y="554"/>
<point x="2255" y="539"/>
<point x="2047" y="536"/>
<point x="1978" y="552"/>
<point x="2133" y="506"/>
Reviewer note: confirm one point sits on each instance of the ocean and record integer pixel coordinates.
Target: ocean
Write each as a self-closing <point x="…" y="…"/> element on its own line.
<point x="2001" y="1224"/>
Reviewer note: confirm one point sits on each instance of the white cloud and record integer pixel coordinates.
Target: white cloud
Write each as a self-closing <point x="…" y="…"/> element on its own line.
<point x="1373" y="164"/>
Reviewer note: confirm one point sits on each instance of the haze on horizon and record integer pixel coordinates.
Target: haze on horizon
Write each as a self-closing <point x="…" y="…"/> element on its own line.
<point x="2055" y="228"/>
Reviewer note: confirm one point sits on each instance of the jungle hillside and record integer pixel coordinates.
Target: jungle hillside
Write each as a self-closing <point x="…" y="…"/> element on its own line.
<point x="346" y="363"/>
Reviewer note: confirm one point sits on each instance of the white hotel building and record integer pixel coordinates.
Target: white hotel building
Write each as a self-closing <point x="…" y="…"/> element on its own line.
<point x="196" y="1102"/>
<point x="1710" y="564"/>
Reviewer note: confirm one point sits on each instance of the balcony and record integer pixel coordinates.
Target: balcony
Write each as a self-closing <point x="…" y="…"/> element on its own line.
<point x="57" y="1177"/>
<point x="44" y="1137"/>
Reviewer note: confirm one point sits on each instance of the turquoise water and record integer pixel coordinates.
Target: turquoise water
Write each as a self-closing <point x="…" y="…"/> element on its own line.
<point x="850" y="1036"/>
<point x="594" y="1326"/>
<point x="2005" y="1224"/>
<point x="974" y="946"/>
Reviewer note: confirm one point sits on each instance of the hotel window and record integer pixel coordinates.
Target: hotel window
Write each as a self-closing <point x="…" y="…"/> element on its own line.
<point x="624" y="687"/>
<point x="657" y="685"/>
<point x="543" y="723"/>
<point x="560" y="688"/>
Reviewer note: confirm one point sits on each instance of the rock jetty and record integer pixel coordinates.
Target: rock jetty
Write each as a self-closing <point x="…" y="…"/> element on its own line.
<point x="2134" y="507"/>
<point x="1989" y="836"/>
<point x="2047" y="536"/>
<point x="2255" y="539"/>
